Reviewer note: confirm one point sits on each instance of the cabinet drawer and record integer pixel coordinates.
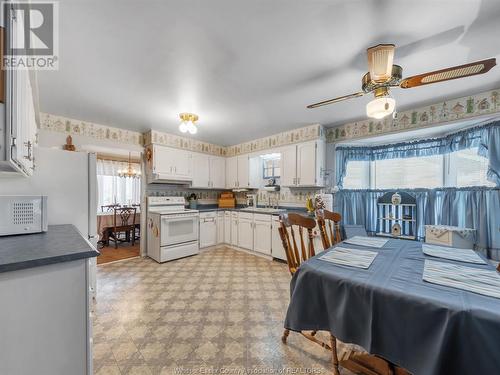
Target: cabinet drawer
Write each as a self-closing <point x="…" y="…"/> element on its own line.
<point x="262" y="217"/>
<point x="246" y="215"/>
<point x="204" y="215"/>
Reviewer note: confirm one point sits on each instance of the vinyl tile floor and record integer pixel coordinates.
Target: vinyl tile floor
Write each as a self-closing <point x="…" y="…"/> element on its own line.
<point x="219" y="312"/>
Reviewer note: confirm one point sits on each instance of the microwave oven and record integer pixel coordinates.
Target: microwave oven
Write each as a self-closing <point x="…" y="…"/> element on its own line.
<point x="22" y="214"/>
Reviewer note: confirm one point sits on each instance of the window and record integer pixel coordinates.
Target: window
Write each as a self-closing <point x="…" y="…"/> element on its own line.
<point x="271" y="166"/>
<point x="120" y="190"/>
<point x="467" y="168"/>
<point x="418" y="172"/>
<point x="114" y="189"/>
<point x="357" y="175"/>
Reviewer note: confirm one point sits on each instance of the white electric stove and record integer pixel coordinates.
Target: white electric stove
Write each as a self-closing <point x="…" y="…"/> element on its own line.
<point x="172" y="229"/>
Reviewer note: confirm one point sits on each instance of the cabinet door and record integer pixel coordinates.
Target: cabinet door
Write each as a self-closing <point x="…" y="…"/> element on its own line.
<point x="201" y="171"/>
<point x="262" y="237"/>
<point x="19" y="107"/>
<point x="306" y="164"/>
<point x="245" y="234"/>
<point x="288" y="165"/>
<point x="220" y="227"/>
<point x="231" y="172"/>
<point x="162" y="160"/>
<point x="227" y="227"/>
<point x="182" y="164"/>
<point x="208" y="232"/>
<point x="218" y="172"/>
<point x="277" y="250"/>
<point x="234" y="230"/>
<point x="243" y="171"/>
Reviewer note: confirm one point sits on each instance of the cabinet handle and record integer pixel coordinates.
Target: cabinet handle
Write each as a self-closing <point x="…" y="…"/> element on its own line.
<point x="298" y="181"/>
<point x="29" y="147"/>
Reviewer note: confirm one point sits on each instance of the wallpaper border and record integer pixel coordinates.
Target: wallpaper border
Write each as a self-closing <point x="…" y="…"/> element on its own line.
<point x="435" y="114"/>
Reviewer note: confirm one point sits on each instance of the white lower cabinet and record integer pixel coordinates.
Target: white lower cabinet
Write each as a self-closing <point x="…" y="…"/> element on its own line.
<point x="227" y="227"/>
<point x="234" y="228"/>
<point x="220" y="227"/>
<point x="245" y="230"/>
<point x="276" y="244"/>
<point x="208" y="229"/>
<point x="262" y="233"/>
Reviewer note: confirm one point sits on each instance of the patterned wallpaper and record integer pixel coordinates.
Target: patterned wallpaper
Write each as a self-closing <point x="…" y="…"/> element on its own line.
<point x="101" y="132"/>
<point x="176" y="141"/>
<point x="286" y="197"/>
<point x="307" y="133"/>
<point x="439" y="113"/>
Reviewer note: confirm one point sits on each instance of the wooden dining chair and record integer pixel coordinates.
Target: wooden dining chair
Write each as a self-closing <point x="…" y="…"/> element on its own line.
<point x="109" y="207"/>
<point x="123" y="222"/>
<point x="289" y="224"/>
<point x="329" y="227"/>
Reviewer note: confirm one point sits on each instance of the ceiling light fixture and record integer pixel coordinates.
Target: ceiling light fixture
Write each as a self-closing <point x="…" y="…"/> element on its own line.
<point x="129" y="171"/>
<point x="188" y="123"/>
<point x="383" y="105"/>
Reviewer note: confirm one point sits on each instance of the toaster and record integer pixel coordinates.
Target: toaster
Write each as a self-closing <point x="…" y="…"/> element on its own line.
<point x="21" y="214"/>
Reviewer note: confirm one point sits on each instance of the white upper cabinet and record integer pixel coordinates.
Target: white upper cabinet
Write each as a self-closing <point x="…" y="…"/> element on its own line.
<point x="18" y="114"/>
<point x="288" y="166"/>
<point x="208" y="171"/>
<point x="301" y="164"/>
<point x="201" y="171"/>
<point x="169" y="164"/>
<point x="243" y="171"/>
<point x="232" y="172"/>
<point x="218" y="172"/>
<point x="306" y="164"/>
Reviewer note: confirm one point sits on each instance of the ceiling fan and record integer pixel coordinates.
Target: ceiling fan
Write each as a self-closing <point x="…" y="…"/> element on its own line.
<point x="383" y="75"/>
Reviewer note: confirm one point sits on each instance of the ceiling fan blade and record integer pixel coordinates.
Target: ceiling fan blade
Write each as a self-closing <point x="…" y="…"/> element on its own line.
<point x="380" y="59"/>
<point x="460" y="71"/>
<point x="339" y="99"/>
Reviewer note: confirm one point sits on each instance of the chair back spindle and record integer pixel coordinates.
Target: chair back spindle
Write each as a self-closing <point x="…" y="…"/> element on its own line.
<point x="329" y="227"/>
<point x="289" y="224"/>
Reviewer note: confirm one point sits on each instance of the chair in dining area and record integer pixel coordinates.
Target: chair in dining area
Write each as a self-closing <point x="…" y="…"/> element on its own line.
<point x="289" y="225"/>
<point x="123" y="223"/>
<point x="329" y="227"/>
<point x="109" y="207"/>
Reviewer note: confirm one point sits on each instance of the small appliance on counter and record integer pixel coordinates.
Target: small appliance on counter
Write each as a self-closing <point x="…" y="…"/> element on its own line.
<point x="252" y="200"/>
<point x="193" y="201"/>
<point x="227" y="200"/>
<point x="22" y="214"/>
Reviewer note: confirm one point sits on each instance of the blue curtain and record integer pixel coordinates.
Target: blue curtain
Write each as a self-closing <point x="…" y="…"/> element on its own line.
<point x="475" y="207"/>
<point x="485" y="137"/>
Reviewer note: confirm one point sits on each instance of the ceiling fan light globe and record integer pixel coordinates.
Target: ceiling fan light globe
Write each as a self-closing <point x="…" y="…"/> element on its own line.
<point x="380" y="107"/>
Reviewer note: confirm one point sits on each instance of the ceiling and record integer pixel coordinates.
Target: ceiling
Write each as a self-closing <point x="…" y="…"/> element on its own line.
<point x="249" y="68"/>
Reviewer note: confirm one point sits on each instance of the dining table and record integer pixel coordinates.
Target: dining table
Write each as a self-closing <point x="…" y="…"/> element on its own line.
<point x="106" y="220"/>
<point x="391" y="312"/>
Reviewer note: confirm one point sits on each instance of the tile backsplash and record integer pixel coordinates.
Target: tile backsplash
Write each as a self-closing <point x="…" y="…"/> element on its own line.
<point x="286" y="196"/>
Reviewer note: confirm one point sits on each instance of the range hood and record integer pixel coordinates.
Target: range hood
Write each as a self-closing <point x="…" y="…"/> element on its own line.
<point x="161" y="178"/>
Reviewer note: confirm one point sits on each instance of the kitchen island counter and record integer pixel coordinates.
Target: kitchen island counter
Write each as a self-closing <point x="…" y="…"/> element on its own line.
<point x="61" y="243"/>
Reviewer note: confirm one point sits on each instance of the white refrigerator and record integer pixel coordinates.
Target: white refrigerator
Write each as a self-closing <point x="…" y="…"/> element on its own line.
<point x="69" y="179"/>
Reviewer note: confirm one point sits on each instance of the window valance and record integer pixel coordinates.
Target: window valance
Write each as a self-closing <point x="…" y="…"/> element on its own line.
<point x="485" y="137"/>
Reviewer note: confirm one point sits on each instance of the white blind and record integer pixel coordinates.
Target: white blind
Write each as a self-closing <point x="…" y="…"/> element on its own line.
<point x="418" y="172"/>
<point x="357" y="175"/>
<point x="467" y="168"/>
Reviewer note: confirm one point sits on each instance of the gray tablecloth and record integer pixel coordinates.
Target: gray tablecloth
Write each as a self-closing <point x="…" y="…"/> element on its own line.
<point x="390" y="311"/>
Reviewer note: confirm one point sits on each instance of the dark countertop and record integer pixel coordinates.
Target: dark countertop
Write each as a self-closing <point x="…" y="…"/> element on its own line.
<point x="61" y="243"/>
<point x="214" y="207"/>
